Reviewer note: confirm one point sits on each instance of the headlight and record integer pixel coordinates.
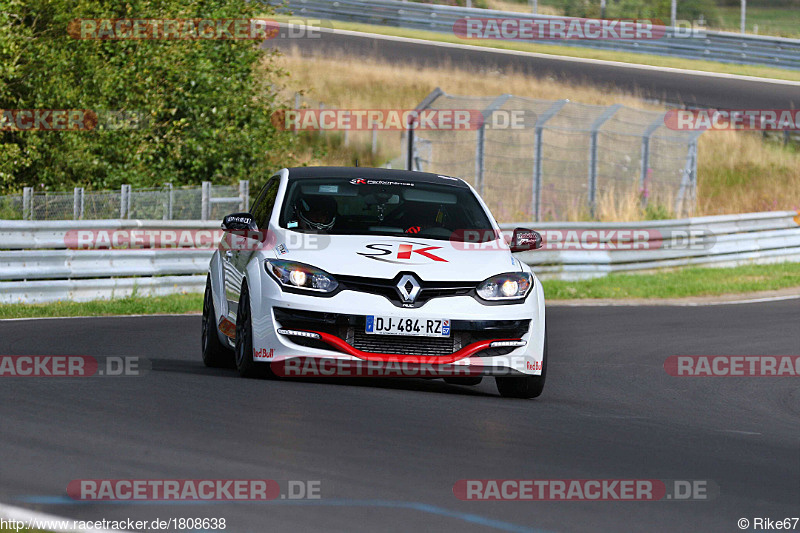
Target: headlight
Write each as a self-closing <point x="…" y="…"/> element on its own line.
<point x="300" y="276"/>
<point x="513" y="286"/>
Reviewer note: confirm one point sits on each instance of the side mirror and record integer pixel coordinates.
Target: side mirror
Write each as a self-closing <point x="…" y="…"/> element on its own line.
<point x="525" y="239"/>
<point x="239" y="222"/>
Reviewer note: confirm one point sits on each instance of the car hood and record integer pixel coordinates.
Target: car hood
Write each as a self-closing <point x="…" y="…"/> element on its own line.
<point x="385" y="257"/>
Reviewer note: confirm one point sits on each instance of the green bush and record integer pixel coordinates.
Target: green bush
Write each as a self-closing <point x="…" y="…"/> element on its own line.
<point x="658" y="9"/>
<point x="207" y="104"/>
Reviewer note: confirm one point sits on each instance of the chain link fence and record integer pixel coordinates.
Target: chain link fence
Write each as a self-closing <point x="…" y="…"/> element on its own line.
<point x="207" y="202"/>
<point x="561" y="160"/>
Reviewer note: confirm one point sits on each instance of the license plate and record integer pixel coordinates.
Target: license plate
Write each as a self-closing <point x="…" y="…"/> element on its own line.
<point x="420" y="327"/>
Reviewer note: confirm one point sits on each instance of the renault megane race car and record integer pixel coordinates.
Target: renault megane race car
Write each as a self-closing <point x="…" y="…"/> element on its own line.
<point x="364" y="266"/>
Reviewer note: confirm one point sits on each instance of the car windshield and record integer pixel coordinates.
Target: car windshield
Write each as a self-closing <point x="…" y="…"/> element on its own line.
<point x="344" y="206"/>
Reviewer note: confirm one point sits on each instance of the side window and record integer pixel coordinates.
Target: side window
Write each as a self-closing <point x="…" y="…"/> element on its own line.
<point x="262" y="208"/>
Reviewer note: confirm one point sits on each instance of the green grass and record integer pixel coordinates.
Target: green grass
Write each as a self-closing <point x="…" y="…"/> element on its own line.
<point x="570" y="51"/>
<point x="675" y="284"/>
<point x="679" y="283"/>
<point x="780" y="21"/>
<point x="172" y="304"/>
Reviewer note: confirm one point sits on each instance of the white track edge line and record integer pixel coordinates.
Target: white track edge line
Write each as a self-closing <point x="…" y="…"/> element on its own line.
<point x="21" y="514"/>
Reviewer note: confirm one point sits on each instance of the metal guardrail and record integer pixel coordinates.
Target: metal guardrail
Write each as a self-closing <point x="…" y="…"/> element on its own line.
<point x="724" y="47"/>
<point x="36" y="265"/>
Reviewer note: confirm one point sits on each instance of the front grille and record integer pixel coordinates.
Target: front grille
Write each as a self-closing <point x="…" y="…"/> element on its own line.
<point x="350" y="328"/>
<point x="402" y="344"/>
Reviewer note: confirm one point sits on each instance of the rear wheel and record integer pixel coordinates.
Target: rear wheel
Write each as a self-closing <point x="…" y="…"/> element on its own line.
<point x="245" y="364"/>
<point x="525" y="386"/>
<point x="215" y="354"/>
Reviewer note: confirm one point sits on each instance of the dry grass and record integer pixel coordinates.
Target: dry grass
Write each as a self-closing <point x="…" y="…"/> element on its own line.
<point x="737" y="172"/>
<point x="740" y="172"/>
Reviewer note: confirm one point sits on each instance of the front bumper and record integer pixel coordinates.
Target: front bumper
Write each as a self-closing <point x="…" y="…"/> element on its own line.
<point x="333" y="329"/>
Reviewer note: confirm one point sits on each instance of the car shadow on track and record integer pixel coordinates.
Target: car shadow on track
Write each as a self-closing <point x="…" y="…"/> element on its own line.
<point x="412" y="384"/>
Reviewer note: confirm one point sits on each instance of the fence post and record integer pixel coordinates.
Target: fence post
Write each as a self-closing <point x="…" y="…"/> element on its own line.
<point x="125" y="201"/>
<point x="607" y="114"/>
<point x="205" y="201"/>
<point x="536" y="201"/>
<point x="167" y="201"/>
<point x="347" y="129"/>
<point x="321" y="109"/>
<point x="410" y="147"/>
<point x="375" y="139"/>
<point x="480" y="141"/>
<point x="296" y="107"/>
<point x="77" y="203"/>
<point x="480" y="147"/>
<point x="426" y="103"/>
<point x="646" y="136"/>
<point x="244" y="195"/>
<point x="27" y="203"/>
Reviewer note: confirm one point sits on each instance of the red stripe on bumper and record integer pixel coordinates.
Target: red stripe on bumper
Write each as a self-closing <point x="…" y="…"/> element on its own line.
<point x="467" y="351"/>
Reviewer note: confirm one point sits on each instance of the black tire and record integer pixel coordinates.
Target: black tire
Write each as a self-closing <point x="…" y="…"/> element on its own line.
<point x="526" y="386"/>
<point x="476" y="380"/>
<point x="245" y="364"/>
<point x="215" y="354"/>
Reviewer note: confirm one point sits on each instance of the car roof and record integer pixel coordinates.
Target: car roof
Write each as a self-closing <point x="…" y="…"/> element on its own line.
<point x="386" y="174"/>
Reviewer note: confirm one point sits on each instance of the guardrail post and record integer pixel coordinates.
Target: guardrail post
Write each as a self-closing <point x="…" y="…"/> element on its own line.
<point x="205" y="201"/>
<point x="536" y="201"/>
<point x="244" y="195"/>
<point x="607" y="114"/>
<point x="648" y="133"/>
<point x="168" y="197"/>
<point x="27" y="203"/>
<point x="77" y="203"/>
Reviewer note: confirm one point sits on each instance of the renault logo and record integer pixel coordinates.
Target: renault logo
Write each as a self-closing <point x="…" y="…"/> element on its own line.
<point x="408" y="287"/>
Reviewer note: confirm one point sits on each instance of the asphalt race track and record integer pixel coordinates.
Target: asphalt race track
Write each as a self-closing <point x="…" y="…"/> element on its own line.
<point x="671" y="87"/>
<point x="387" y="452"/>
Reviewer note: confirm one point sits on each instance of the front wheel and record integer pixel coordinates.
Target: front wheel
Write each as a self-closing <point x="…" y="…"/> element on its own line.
<point x="525" y="386"/>
<point x="215" y="354"/>
<point x="245" y="364"/>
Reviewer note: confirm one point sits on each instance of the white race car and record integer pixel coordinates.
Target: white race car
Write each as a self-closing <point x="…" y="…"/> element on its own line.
<point x="375" y="272"/>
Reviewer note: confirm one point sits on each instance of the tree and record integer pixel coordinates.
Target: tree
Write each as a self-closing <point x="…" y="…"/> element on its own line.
<point x="205" y="104"/>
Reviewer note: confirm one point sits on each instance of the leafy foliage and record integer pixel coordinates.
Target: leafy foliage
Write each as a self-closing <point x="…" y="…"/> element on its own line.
<point x="657" y="9"/>
<point x="207" y="103"/>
